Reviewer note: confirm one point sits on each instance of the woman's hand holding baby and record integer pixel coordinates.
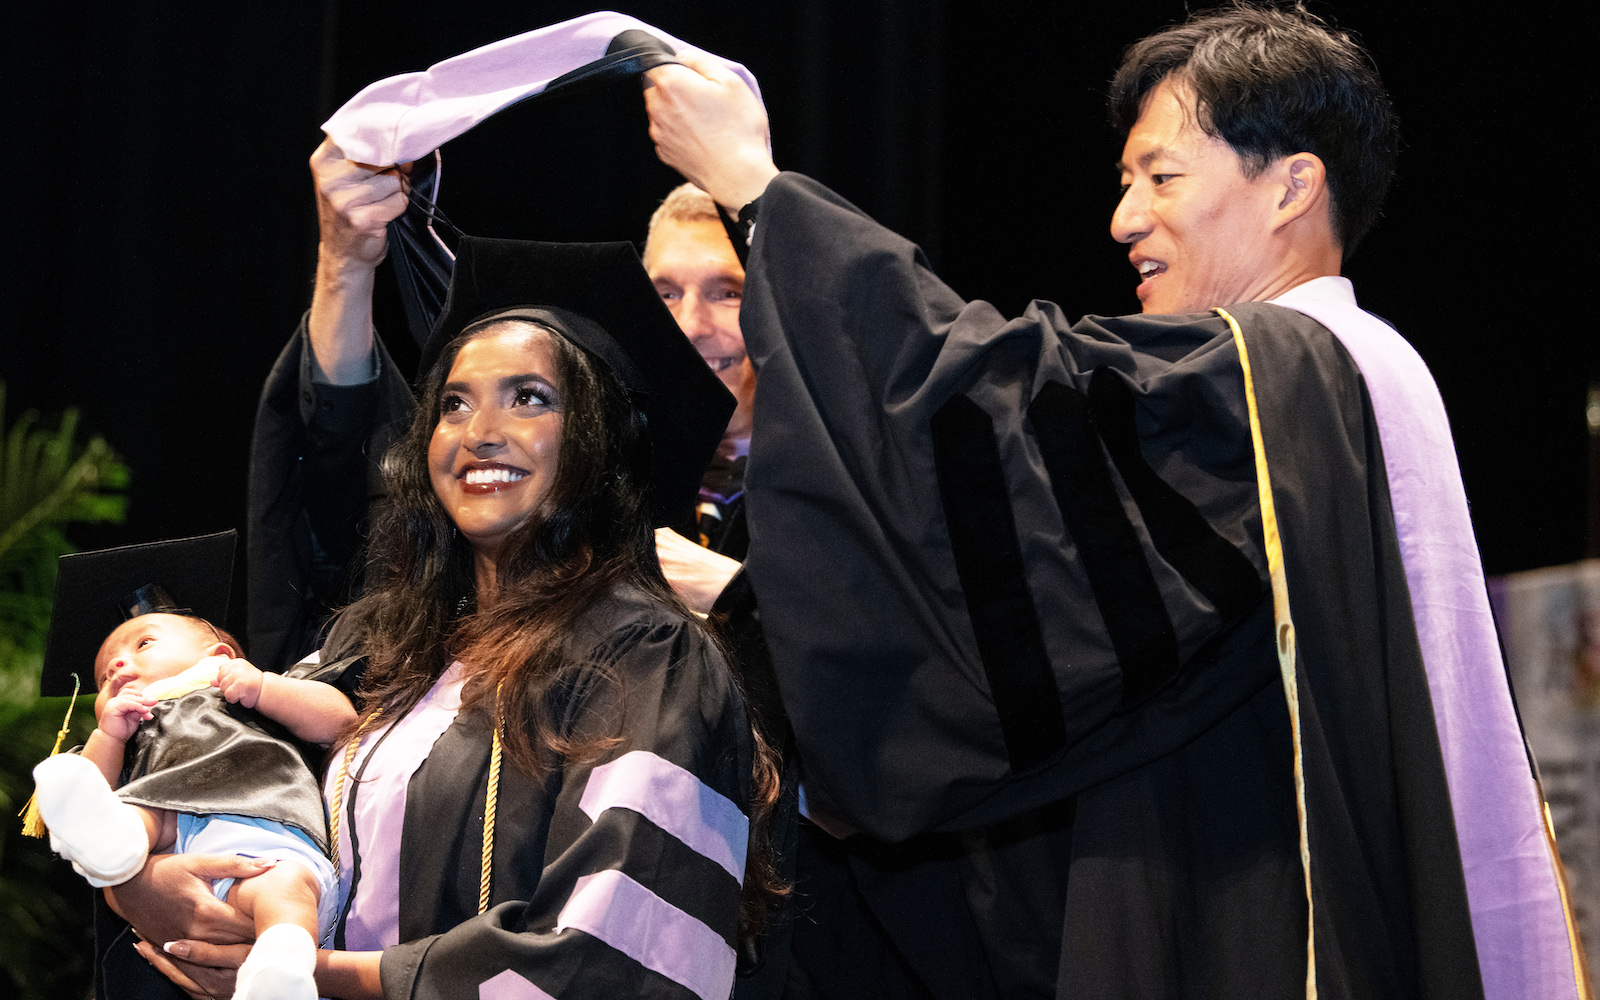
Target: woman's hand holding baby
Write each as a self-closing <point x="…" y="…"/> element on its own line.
<point x="171" y="900"/>
<point x="241" y="682"/>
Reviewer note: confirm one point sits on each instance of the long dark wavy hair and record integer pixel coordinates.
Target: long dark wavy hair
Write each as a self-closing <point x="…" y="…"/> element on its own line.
<point x="590" y="535"/>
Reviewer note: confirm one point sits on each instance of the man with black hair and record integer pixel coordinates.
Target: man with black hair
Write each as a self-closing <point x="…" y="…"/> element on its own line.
<point x="1163" y="637"/>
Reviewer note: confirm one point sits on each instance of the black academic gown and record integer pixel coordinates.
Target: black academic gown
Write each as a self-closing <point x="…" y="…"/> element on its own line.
<point x="1013" y="582"/>
<point x="638" y="672"/>
<point x="314" y="456"/>
<point x="314" y="475"/>
<point x="198" y="754"/>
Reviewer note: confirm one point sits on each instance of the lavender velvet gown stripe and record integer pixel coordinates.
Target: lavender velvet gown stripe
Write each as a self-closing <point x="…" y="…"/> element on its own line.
<point x="634" y="920"/>
<point x="405" y="117"/>
<point x="374" y="919"/>
<point x="510" y="985"/>
<point x="1517" y="919"/>
<point x="674" y="799"/>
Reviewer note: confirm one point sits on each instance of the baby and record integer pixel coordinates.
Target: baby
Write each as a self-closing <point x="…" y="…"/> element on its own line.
<point x="204" y="778"/>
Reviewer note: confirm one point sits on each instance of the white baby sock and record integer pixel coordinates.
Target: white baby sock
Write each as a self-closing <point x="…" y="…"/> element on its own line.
<point x="281" y="966"/>
<point x="100" y="834"/>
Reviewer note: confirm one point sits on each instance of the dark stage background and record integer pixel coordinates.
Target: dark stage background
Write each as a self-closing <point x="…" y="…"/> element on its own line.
<point x="161" y="230"/>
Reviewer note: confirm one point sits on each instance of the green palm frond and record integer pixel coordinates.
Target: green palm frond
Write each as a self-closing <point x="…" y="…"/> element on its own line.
<point x="47" y="481"/>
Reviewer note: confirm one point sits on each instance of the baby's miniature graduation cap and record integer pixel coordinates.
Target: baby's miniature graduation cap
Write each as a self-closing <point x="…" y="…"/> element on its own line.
<point x="98" y="591"/>
<point x="599" y="297"/>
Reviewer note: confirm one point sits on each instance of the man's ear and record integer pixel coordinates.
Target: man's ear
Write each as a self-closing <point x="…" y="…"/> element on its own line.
<point x="1303" y="182"/>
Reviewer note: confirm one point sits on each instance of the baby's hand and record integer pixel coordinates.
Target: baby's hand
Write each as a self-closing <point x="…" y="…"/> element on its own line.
<point x="240" y="681"/>
<point x="122" y="714"/>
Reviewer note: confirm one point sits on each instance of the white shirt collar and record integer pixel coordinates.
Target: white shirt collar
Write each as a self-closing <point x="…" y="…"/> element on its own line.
<point x="1328" y="288"/>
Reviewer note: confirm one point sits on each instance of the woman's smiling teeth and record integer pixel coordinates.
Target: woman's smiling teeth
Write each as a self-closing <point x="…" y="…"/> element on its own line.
<point x="485" y="477"/>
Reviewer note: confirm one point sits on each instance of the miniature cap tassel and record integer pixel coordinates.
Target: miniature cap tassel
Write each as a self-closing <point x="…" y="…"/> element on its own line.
<point x="32" y="824"/>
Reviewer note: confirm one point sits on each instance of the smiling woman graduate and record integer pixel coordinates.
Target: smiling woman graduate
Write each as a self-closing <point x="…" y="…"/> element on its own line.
<point x="552" y="789"/>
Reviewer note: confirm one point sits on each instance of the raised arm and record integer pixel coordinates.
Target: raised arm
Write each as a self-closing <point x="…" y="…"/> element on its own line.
<point x="355" y="204"/>
<point x="313" y="457"/>
<point x="977" y="657"/>
<point x="709" y="126"/>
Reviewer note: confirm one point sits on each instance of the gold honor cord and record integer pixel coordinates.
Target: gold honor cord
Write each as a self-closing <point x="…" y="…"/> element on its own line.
<point x="338" y="791"/>
<point x="1284" y="631"/>
<point x="486" y="862"/>
<point x="486" y="865"/>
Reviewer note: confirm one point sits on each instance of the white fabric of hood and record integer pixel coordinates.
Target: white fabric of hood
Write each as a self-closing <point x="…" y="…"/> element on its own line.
<point x="403" y="118"/>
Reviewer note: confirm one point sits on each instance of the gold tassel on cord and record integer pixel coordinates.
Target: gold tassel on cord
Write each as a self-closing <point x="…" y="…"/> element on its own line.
<point x="32" y="825"/>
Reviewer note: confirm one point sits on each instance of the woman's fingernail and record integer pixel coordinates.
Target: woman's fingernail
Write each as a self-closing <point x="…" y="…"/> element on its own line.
<point x="178" y="948"/>
<point x="265" y="862"/>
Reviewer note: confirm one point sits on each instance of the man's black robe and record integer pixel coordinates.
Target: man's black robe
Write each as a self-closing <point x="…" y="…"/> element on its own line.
<point x="1014" y="586"/>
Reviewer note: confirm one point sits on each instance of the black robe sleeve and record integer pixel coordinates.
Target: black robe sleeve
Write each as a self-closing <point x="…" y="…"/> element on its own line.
<point x="1009" y="563"/>
<point x="980" y="544"/>
<point x="313" y="472"/>
<point x="617" y="876"/>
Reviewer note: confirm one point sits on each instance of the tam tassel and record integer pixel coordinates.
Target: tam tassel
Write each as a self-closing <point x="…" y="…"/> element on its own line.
<point x="32" y="824"/>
